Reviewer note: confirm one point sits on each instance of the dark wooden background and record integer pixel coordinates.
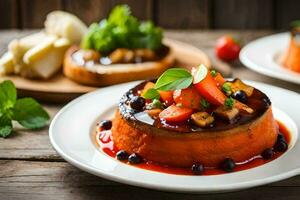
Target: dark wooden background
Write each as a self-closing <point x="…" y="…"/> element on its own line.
<point x="175" y="14"/>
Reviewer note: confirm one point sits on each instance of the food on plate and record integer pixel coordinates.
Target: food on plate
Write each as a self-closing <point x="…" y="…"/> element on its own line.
<point x="291" y="59"/>
<point x="227" y="48"/>
<point x="194" y="120"/>
<point x="118" y="49"/>
<point x="41" y="54"/>
<point x="65" y="25"/>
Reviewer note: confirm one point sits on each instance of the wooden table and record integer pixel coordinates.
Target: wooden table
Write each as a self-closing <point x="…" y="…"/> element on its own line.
<point x="31" y="169"/>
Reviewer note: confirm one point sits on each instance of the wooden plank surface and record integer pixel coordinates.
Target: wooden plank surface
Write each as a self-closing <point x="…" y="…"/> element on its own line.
<point x="9" y="14"/>
<point x="183" y="14"/>
<point x="33" y="12"/>
<point x="95" y="10"/>
<point x="286" y="11"/>
<point x="58" y="180"/>
<point x="31" y="169"/>
<point x="256" y="14"/>
<point x="242" y="14"/>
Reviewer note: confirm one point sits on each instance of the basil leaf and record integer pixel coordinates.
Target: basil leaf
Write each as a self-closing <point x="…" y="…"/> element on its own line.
<point x="151" y="94"/>
<point x="8" y="95"/>
<point x="30" y="114"/>
<point x="174" y="79"/>
<point x="5" y="126"/>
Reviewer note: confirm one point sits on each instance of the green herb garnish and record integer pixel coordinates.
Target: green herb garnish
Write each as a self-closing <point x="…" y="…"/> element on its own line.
<point x="204" y="103"/>
<point x="213" y="73"/>
<point x="174" y="79"/>
<point x="122" y="30"/>
<point x="226" y="87"/>
<point x="154" y="104"/>
<point x="295" y="24"/>
<point x="229" y="102"/>
<point x="25" y="111"/>
<point x="151" y="94"/>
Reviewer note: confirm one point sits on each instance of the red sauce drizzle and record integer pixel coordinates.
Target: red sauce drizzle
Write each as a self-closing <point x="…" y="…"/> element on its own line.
<point x="106" y="144"/>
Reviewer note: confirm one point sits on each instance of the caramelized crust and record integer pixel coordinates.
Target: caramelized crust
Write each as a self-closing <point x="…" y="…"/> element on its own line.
<point x="103" y="75"/>
<point x="208" y="147"/>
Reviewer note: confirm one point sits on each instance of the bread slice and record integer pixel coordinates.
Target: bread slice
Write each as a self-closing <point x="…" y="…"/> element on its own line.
<point x="103" y="75"/>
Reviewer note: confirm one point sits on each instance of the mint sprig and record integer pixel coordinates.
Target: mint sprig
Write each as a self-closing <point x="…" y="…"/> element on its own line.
<point x="26" y="111"/>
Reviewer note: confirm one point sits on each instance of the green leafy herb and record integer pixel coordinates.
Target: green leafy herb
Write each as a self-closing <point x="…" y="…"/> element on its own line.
<point x="229" y="102"/>
<point x="154" y="104"/>
<point x="295" y="24"/>
<point x="214" y="73"/>
<point x="5" y="126"/>
<point x="226" y="87"/>
<point x="174" y="79"/>
<point x="26" y="111"/>
<point x="122" y="30"/>
<point x="151" y="94"/>
<point x="29" y="113"/>
<point x="204" y="103"/>
<point x="8" y="95"/>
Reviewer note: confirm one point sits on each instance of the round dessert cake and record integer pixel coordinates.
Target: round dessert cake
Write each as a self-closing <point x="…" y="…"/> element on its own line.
<point x="238" y="134"/>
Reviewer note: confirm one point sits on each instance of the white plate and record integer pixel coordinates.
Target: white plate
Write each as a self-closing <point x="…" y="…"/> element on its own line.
<point x="263" y="56"/>
<point x="71" y="135"/>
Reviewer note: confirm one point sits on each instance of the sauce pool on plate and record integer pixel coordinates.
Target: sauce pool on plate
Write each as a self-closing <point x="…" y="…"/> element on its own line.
<point x="105" y="143"/>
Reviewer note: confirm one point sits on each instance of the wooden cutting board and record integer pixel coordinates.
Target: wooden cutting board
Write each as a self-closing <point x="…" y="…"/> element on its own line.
<point x="59" y="89"/>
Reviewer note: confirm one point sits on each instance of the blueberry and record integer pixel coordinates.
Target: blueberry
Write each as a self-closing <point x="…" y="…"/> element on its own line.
<point x="122" y="155"/>
<point x="228" y="165"/>
<point x="266" y="101"/>
<point x="241" y="96"/>
<point x="267" y="153"/>
<point x="197" y="169"/>
<point x="135" y="159"/>
<point x="137" y="103"/>
<point x="280" y="137"/>
<point x="281" y="146"/>
<point x="105" y="124"/>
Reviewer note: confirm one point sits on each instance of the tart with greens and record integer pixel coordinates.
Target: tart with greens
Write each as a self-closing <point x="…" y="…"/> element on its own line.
<point x="185" y="118"/>
<point x="118" y="49"/>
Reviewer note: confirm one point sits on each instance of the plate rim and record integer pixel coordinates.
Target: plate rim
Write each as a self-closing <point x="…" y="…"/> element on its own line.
<point x="263" y="70"/>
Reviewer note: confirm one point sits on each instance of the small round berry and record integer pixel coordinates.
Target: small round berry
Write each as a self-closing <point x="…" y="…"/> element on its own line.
<point x="241" y="96"/>
<point x="105" y="124"/>
<point x="228" y="165"/>
<point x="267" y="153"/>
<point x="122" y="155"/>
<point x="137" y="103"/>
<point x="135" y="159"/>
<point x="281" y="146"/>
<point x="280" y="137"/>
<point x="266" y="101"/>
<point x="197" y="169"/>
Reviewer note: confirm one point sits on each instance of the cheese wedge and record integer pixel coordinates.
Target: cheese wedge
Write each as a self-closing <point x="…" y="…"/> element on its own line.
<point x="45" y="59"/>
<point x="7" y="64"/>
<point x="66" y="25"/>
